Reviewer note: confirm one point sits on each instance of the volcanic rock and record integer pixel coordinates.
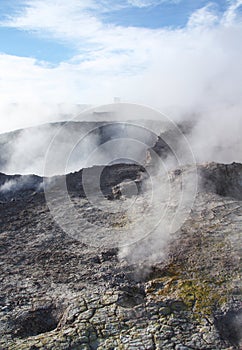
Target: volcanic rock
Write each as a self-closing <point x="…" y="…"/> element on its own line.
<point x="60" y="292"/>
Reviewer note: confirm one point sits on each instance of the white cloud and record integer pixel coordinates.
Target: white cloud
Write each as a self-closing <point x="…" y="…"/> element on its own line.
<point x="230" y="16"/>
<point x="205" y="16"/>
<point x="140" y="3"/>
<point x="147" y="3"/>
<point x="197" y="68"/>
<point x="64" y="20"/>
<point x="80" y="25"/>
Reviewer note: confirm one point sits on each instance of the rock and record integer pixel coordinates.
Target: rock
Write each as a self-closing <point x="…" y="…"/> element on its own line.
<point x="58" y="292"/>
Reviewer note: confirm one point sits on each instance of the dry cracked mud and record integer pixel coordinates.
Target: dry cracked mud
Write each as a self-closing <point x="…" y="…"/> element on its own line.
<point x="60" y="292"/>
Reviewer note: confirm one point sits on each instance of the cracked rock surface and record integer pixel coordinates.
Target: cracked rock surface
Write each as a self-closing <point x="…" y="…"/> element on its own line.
<point x="60" y="292"/>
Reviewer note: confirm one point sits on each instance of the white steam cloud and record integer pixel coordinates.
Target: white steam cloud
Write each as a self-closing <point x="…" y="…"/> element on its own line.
<point x="193" y="69"/>
<point x="21" y="183"/>
<point x="190" y="73"/>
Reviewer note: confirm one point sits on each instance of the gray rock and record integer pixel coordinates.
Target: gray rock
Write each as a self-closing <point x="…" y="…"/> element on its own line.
<point x="58" y="292"/>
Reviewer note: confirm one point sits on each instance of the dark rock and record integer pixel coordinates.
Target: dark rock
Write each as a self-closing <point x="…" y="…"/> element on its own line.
<point x="58" y="292"/>
<point x="223" y="179"/>
<point x="37" y="321"/>
<point x="229" y="325"/>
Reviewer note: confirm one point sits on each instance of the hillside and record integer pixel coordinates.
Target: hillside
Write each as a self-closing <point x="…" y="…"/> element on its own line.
<point x="84" y="291"/>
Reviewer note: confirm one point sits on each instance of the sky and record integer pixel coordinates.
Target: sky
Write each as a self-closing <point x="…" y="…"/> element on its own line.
<point x="178" y="56"/>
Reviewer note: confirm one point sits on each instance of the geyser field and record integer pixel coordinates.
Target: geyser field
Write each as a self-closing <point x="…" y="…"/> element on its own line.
<point x="114" y="235"/>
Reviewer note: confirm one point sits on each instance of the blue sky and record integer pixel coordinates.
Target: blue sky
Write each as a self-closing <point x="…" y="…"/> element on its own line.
<point x="22" y="43"/>
<point x="32" y="42"/>
<point x="174" y="14"/>
<point x="162" y="53"/>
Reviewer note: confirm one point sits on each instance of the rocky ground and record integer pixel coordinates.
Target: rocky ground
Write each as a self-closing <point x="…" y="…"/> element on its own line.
<point x="60" y="291"/>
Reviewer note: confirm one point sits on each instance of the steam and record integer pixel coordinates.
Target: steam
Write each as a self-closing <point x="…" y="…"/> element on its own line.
<point x="20" y="115"/>
<point x="158" y="215"/>
<point x="184" y="71"/>
<point x="191" y="74"/>
<point x="21" y="183"/>
<point x="75" y="145"/>
<point x="25" y="150"/>
<point x="213" y="135"/>
<point x="217" y="136"/>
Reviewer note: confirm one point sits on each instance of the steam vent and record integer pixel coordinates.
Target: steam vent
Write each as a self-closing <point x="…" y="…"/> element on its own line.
<point x="101" y="269"/>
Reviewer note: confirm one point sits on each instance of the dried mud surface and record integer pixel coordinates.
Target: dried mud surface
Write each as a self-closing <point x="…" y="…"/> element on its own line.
<point x="58" y="292"/>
